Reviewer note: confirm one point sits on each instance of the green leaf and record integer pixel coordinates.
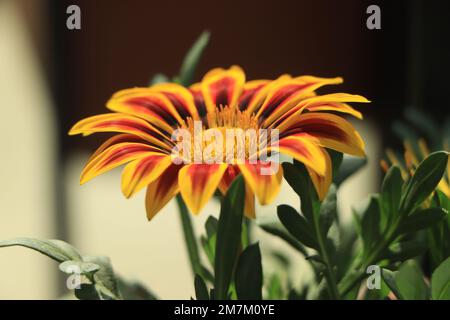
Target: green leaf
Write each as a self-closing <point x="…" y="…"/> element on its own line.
<point x="192" y="58"/>
<point x="105" y="279"/>
<point x="348" y="167"/>
<point x="328" y="210"/>
<point x="421" y="219"/>
<point x="297" y="226"/>
<point x="228" y="237"/>
<point x="389" y="278"/>
<point x="209" y="247"/>
<point x="248" y="276"/>
<point x="425" y="180"/>
<point x="277" y="231"/>
<point x="201" y="291"/>
<point x="56" y="249"/>
<point x="391" y="193"/>
<point x="444" y="201"/>
<point x="410" y="283"/>
<point x="370" y="225"/>
<point x="298" y="178"/>
<point x="440" y="281"/>
<point x="211" y="226"/>
<point x="274" y="289"/>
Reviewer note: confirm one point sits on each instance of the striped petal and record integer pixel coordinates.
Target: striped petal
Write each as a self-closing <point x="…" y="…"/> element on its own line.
<point x="322" y="183"/>
<point x="330" y="102"/>
<point x="198" y="183"/>
<point x="259" y="97"/>
<point x="141" y="172"/>
<point x="229" y="175"/>
<point x="147" y="104"/>
<point x="181" y="98"/>
<point x="114" y="156"/>
<point x="198" y="99"/>
<point x="161" y="191"/>
<point x="249" y="205"/>
<point x="329" y="130"/>
<point x="335" y="102"/>
<point x="305" y="149"/>
<point x="222" y="87"/>
<point x="119" y="138"/>
<point x="264" y="186"/>
<point x="288" y="92"/>
<point x="119" y="122"/>
<point x="253" y="92"/>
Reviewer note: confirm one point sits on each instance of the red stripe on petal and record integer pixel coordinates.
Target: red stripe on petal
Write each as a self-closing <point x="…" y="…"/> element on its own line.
<point x="143" y="171"/>
<point x="222" y="87"/>
<point x="162" y="190"/>
<point x="198" y="183"/>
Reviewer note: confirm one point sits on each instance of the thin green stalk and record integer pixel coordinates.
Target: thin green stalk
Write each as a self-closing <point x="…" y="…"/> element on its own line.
<point x="332" y="282"/>
<point x="189" y="237"/>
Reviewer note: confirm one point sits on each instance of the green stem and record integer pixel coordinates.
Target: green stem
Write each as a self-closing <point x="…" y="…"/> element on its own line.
<point x="189" y="236"/>
<point x="332" y="283"/>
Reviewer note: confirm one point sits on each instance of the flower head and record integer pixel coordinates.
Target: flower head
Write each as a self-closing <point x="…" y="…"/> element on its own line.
<point x="166" y="130"/>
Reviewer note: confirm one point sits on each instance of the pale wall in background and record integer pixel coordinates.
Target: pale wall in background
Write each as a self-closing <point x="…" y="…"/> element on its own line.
<point x="26" y="139"/>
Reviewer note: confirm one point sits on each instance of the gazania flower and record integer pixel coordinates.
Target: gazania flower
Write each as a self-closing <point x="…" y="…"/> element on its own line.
<point x="411" y="160"/>
<point x="145" y="119"/>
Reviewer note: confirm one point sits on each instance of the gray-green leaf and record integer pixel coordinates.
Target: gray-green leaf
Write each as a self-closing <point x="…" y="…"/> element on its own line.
<point x="56" y="249"/>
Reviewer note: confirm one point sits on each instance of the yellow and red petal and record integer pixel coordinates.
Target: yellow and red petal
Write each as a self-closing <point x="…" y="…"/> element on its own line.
<point x="249" y="205"/>
<point x="305" y="149"/>
<point x="147" y="104"/>
<point x="334" y="102"/>
<point x="119" y="138"/>
<point x="229" y="175"/>
<point x="328" y="130"/>
<point x="141" y="172"/>
<point x="161" y="190"/>
<point x="198" y="182"/>
<point x="114" y="156"/>
<point x="198" y="99"/>
<point x="265" y="186"/>
<point x="123" y="123"/>
<point x="330" y="102"/>
<point x="322" y="182"/>
<point x="222" y="87"/>
<point x="181" y="98"/>
<point x="252" y="93"/>
<point x="286" y="93"/>
<point x="260" y="96"/>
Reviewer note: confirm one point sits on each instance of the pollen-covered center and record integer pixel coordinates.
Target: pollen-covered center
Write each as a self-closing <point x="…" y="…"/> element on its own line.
<point x="225" y="135"/>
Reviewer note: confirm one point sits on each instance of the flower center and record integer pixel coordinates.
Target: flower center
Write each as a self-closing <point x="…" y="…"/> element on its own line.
<point x="224" y="135"/>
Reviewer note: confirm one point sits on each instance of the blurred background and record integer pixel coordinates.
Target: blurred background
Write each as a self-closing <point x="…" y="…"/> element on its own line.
<point x="51" y="77"/>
